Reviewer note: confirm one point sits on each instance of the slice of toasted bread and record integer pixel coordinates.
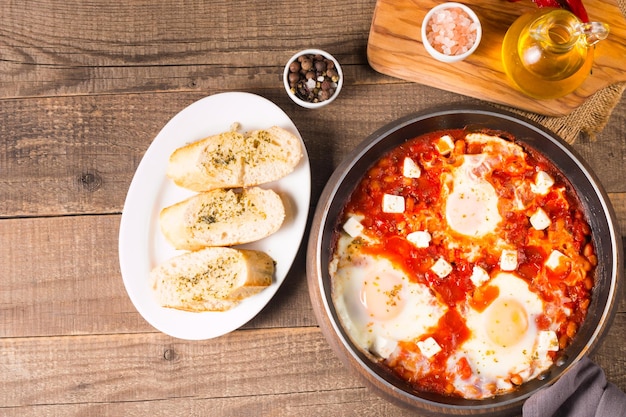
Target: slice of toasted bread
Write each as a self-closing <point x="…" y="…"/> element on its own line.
<point x="211" y="279"/>
<point x="232" y="159"/>
<point x="222" y="218"/>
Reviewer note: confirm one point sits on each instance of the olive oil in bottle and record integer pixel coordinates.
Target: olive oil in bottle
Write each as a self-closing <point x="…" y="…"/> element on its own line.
<point x="548" y="54"/>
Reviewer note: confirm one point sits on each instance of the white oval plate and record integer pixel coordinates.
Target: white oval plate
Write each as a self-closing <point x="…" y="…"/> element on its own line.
<point x="142" y="245"/>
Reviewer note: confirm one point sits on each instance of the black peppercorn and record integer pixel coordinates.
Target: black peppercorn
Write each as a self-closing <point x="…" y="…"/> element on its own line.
<point x="313" y="78"/>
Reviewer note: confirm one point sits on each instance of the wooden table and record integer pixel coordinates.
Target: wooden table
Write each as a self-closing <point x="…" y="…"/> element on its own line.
<point x="84" y="89"/>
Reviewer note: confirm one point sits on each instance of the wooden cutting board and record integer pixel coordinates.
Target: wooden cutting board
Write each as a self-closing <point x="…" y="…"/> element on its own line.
<point x="395" y="48"/>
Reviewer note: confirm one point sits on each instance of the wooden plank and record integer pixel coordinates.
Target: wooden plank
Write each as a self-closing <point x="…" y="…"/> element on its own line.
<point x="61" y="276"/>
<point x="153" y="374"/>
<point x="77" y="155"/>
<point x="395" y="48"/>
<point x="149" y="367"/>
<point x="146" y="367"/>
<point x="180" y="45"/>
<point x="354" y="402"/>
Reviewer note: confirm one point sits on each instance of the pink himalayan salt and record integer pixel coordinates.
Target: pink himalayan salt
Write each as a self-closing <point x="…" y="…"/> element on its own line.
<point x="451" y="31"/>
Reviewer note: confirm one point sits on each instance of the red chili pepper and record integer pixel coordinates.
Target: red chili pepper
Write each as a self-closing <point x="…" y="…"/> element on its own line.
<point x="577" y="7"/>
<point x="574" y="6"/>
<point x="547" y="3"/>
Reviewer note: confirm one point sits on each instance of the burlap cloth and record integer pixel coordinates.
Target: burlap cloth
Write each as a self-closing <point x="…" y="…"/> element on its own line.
<point x="590" y="117"/>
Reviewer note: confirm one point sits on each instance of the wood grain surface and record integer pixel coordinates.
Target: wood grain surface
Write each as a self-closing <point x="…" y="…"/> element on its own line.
<point x="84" y="89"/>
<point x="395" y="48"/>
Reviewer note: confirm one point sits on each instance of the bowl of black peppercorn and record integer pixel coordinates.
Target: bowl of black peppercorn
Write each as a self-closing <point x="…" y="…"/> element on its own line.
<point x="312" y="78"/>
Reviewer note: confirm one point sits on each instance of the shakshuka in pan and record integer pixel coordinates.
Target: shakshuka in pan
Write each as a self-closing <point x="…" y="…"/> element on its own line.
<point x="464" y="262"/>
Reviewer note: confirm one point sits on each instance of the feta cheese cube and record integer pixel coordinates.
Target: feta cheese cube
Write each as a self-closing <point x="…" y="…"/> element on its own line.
<point x="429" y="347"/>
<point x="543" y="183"/>
<point x="383" y="347"/>
<point x="393" y="203"/>
<point x="445" y="145"/>
<point x="479" y="276"/>
<point x="410" y="169"/>
<point x="353" y="227"/>
<point x="441" y="268"/>
<point x="555" y="259"/>
<point x="508" y="260"/>
<point x="421" y="238"/>
<point x="540" y="220"/>
<point x="548" y="341"/>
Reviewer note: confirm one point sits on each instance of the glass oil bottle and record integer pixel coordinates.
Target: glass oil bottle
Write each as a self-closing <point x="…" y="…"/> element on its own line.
<point x="549" y="54"/>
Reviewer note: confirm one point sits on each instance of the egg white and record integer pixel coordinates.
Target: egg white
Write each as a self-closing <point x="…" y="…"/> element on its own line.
<point x="472" y="205"/>
<point x="377" y="303"/>
<point x="494" y="358"/>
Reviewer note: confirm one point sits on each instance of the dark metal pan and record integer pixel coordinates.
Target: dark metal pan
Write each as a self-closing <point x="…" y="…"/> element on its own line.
<point x="600" y="215"/>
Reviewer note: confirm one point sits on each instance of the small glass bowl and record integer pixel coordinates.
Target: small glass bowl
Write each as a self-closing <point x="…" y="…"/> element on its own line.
<point x="440" y="56"/>
<point x="310" y="104"/>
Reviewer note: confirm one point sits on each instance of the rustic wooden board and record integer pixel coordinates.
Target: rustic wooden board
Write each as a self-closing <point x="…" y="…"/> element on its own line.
<point x="395" y="48"/>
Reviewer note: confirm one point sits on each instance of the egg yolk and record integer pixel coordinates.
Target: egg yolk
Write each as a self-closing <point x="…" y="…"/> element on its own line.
<point x="472" y="209"/>
<point x="507" y="322"/>
<point x="380" y="295"/>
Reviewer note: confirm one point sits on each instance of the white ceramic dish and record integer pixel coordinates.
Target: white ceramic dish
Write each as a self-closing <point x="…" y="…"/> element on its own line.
<point x="439" y="55"/>
<point x="141" y="244"/>
<point x="304" y="103"/>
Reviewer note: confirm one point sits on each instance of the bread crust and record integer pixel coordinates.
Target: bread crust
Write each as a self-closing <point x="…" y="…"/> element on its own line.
<point x="233" y="159"/>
